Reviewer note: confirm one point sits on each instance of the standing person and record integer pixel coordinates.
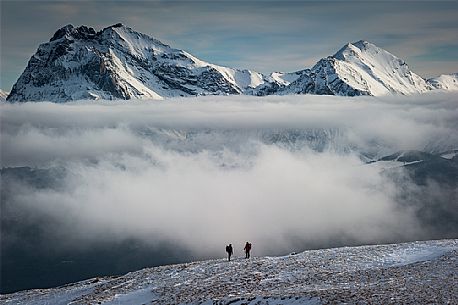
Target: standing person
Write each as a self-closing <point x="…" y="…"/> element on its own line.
<point x="229" y="251"/>
<point x="247" y="249"/>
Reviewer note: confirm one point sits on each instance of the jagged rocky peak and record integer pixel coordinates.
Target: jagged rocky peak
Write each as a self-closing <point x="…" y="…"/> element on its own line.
<point x="117" y="31"/>
<point x="69" y="31"/>
<point x="120" y="63"/>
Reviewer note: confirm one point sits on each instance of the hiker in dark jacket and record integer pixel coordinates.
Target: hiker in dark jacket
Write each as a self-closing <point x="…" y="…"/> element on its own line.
<point x="229" y="251"/>
<point x="247" y="249"/>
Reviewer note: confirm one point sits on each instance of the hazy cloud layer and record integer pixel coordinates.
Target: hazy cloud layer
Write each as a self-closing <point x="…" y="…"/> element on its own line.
<point x="36" y="133"/>
<point x="206" y="171"/>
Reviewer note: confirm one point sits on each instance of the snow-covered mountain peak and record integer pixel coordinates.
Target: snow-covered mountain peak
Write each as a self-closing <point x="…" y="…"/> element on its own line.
<point x="363" y="50"/>
<point x="346" y="51"/>
<point x="359" y="68"/>
<point x="365" y="53"/>
<point x="381" y="71"/>
<point x="136" y="44"/>
<point x="120" y="63"/>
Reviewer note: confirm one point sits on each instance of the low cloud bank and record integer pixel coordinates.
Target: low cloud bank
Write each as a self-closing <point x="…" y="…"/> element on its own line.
<point x="34" y="133"/>
<point x="195" y="202"/>
<point x="207" y="171"/>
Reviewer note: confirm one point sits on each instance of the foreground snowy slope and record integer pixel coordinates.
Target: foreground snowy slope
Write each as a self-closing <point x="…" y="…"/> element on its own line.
<point x="414" y="273"/>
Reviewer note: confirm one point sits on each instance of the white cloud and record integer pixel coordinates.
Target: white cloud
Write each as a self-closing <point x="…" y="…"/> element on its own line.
<point x="47" y="131"/>
<point x="192" y="200"/>
<point x="203" y="171"/>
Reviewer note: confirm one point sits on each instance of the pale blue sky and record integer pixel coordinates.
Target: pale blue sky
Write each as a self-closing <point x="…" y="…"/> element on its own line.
<point x="259" y="35"/>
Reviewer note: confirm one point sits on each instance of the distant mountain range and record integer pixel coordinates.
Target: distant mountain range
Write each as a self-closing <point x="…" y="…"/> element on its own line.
<point x="120" y="63"/>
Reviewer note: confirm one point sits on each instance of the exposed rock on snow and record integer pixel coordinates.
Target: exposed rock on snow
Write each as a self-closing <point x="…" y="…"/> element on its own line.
<point x="410" y="273"/>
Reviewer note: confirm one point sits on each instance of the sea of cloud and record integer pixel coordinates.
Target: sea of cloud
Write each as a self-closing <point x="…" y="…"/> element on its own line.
<point x="281" y="172"/>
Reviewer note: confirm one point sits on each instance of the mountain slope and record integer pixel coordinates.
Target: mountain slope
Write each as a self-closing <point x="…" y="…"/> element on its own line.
<point x="445" y="82"/>
<point x="360" y="68"/>
<point x="410" y="273"/>
<point x="119" y="63"/>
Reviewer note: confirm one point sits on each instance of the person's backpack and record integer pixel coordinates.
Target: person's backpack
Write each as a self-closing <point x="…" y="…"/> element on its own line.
<point x="228" y="249"/>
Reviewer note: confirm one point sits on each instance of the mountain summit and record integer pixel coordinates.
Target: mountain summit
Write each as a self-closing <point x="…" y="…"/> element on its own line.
<point x="359" y="68"/>
<point x="120" y="63"/>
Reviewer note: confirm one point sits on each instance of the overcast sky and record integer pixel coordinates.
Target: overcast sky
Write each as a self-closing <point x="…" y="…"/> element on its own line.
<point x="264" y="36"/>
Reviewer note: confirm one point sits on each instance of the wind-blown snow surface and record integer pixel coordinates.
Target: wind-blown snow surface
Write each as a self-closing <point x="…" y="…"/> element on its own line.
<point x="286" y="172"/>
<point x="410" y="273"/>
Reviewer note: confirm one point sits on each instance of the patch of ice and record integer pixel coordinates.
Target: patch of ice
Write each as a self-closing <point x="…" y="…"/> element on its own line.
<point x="410" y="255"/>
<point x="450" y="155"/>
<point x="142" y="296"/>
<point x="57" y="296"/>
<point x="383" y="165"/>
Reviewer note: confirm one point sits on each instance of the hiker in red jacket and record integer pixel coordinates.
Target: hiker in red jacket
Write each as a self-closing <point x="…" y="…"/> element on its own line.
<point x="247" y="249"/>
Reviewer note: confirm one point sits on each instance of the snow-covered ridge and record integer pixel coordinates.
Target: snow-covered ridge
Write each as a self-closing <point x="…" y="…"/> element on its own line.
<point x="445" y="82"/>
<point x="120" y="63"/>
<point x="410" y="273"/>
